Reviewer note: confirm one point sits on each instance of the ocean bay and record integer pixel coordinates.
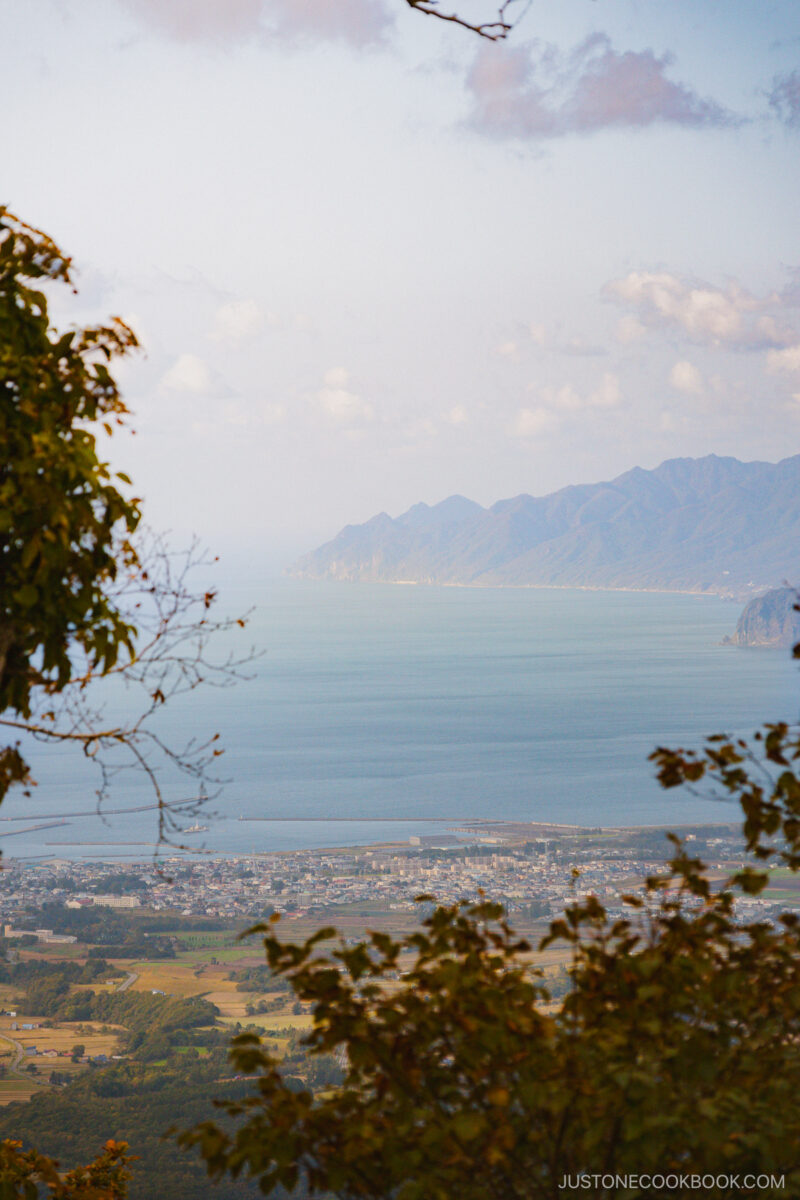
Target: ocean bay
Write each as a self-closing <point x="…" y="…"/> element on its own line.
<point x="402" y="710"/>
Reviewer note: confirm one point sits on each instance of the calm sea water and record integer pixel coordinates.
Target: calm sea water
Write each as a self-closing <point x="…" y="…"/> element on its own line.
<point x="408" y="709"/>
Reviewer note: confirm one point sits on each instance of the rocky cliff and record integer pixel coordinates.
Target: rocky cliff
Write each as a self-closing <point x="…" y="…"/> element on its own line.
<point x="769" y="620"/>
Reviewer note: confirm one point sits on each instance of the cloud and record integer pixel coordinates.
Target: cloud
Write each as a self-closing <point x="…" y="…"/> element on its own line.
<point x="359" y="22"/>
<point x="341" y="404"/>
<point x="668" y="422"/>
<point x="784" y="361"/>
<point x="629" y="330"/>
<point x="531" y="422"/>
<point x="685" y="377"/>
<point x="608" y="394"/>
<point x="557" y="404"/>
<point x="576" y="347"/>
<point x="458" y="415"/>
<point x="564" y="398"/>
<point x="189" y="374"/>
<point x="336" y="377"/>
<point x="784" y="99"/>
<point x="236" y="321"/>
<point x="250" y="414"/>
<point x="544" y="339"/>
<point x="200" y="20"/>
<point x="707" y="315"/>
<point x="538" y="91"/>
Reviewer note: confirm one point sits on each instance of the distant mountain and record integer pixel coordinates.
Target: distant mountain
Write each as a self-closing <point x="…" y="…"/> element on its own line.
<point x="769" y="620"/>
<point x="693" y="524"/>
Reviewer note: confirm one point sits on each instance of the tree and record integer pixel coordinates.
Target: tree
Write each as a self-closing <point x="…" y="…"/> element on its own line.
<point x="23" y="1173"/>
<point x="78" y="1052"/>
<point x="84" y="593"/>
<point x="64" y="525"/>
<point x="676" y="1051"/>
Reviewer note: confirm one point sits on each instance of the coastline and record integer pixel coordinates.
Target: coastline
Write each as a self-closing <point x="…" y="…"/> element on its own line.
<point x="734" y="596"/>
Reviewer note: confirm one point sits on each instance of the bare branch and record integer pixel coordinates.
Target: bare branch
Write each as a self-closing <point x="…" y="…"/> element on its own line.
<point x="171" y="656"/>
<point x="493" y="31"/>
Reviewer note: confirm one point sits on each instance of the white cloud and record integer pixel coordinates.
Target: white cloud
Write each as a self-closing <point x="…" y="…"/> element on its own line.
<point x="530" y="422"/>
<point x="344" y="406"/>
<point x="608" y="394"/>
<point x="784" y="361"/>
<point x="564" y="398"/>
<point x="271" y="413"/>
<point x="339" y="402"/>
<point x="336" y="377"/>
<point x="685" y="377"/>
<point x="236" y="321"/>
<point x="189" y="374"/>
<point x="252" y="413"/>
<point x="629" y="330"/>
<point x="576" y="347"/>
<point x="709" y="315"/>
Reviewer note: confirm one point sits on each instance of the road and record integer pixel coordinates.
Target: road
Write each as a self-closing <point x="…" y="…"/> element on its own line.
<point x="126" y="983"/>
<point x="19" y="1052"/>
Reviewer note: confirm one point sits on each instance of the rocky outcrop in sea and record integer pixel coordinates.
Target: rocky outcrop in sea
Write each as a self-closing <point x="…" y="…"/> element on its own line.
<point x="770" y="620"/>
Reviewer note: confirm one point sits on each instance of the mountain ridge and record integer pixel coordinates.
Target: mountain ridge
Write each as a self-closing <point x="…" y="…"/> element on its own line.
<point x="712" y="524"/>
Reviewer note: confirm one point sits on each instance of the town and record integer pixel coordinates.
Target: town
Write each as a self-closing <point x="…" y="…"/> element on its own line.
<point x="533" y="876"/>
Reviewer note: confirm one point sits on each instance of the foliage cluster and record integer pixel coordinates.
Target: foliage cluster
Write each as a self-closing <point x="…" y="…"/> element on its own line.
<point x="99" y="926"/>
<point x="23" y="1173"/>
<point x="139" y="1103"/>
<point x="30" y="970"/>
<point x="154" y="1023"/>
<point x="152" y="948"/>
<point x="676" y="1047"/>
<point x="119" y="884"/>
<point x="64" y="523"/>
<point x="259" y="979"/>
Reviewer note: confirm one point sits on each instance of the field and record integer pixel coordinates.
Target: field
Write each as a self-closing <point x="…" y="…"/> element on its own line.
<point x="784" y="886"/>
<point x="17" y="1082"/>
<point x="203" y="969"/>
<point x="192" y="974"/>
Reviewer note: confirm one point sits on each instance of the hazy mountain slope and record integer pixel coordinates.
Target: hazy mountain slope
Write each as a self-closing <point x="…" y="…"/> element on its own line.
<point x="707" y="524"/>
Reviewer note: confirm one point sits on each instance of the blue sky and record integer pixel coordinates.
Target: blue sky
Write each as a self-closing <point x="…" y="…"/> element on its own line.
<point x="374" y="260"/>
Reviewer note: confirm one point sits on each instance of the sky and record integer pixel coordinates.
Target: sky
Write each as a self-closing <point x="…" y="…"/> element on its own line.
<point x="373" y="259"/>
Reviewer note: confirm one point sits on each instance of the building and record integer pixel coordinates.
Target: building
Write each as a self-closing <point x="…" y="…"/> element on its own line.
<point x="44" y="935"/>
<point x="117" y="901"/>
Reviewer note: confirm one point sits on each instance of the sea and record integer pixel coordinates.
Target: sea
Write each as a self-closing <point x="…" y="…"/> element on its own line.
<point x="377" y="713"/>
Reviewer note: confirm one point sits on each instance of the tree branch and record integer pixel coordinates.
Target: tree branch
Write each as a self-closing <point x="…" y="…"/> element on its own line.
<point x="493" y="31"/>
